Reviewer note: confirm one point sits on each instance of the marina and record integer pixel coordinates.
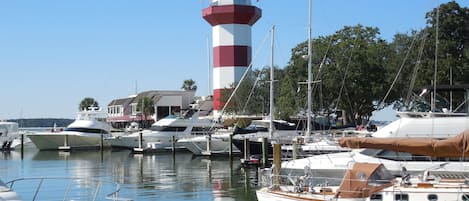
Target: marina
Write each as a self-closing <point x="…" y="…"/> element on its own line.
<point x="162" y="176"/>
<point x="302" y="129"/>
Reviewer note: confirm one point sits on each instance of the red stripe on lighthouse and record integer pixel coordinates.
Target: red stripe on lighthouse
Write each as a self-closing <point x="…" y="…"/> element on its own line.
<point x="231" y="56"/>
<point x="231" y="14"/>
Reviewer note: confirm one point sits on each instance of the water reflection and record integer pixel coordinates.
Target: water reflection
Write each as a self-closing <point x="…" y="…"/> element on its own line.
<point x="165" y="176"/>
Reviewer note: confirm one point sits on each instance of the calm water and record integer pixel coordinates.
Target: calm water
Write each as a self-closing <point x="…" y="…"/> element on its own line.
<point x="163" y="176"/>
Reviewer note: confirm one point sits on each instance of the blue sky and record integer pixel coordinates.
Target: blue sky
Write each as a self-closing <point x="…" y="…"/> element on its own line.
<point x="53" y="53"/>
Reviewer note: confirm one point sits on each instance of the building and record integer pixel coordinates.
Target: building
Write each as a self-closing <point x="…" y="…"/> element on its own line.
<point x="231" y="22"/>
<point x="123" y="111"/>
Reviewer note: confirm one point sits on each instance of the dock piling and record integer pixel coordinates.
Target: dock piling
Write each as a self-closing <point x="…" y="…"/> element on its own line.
<point x="277" y="163"/>
<point x="264" y="152"/>
<point x="295" y="150"/>
<point x="66" y="147"/>
<point x="246" y="149"/>
<point x="139" y="149"/>
<point x="173" y="143"/>
<point x="22" y="146"/>
<point x="230" y="148"/>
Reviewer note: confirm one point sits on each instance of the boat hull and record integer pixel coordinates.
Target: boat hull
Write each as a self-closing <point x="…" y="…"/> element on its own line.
<point x="150" y="141"/>
<point x="198" y="146"/>
<point x="57" y="141"/>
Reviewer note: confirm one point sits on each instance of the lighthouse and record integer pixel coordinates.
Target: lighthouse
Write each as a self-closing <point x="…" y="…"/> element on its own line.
<point x="231" y="22"/>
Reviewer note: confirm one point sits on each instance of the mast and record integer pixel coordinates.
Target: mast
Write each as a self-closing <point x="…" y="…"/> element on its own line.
<point x="436" y="58"/>
<point x="308" y="112"/>
<point x="271" y="125"/>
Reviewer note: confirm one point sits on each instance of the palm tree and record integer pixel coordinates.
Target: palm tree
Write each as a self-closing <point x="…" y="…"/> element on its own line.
<point x="86" y="103"/>
<point x="189" y="85"/>
<point x="147" y="104"/>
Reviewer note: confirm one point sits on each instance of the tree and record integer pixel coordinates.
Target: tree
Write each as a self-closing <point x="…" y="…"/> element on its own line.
<point x="453" y="43"/>
<point x="86" y="103"/>
<point x="452" y="54"/>
<point x="288" y="101"/>
<point x="352" y="75"/>
<point x="189" y="85"/>
<point x="146" y="107"/>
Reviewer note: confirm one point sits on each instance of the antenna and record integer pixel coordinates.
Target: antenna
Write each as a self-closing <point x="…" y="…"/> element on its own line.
<point x="136" y="88"/>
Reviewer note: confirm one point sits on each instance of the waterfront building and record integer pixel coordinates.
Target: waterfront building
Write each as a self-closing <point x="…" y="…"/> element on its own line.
<point x="123" y="111"/>
<point x="231" y="22"/>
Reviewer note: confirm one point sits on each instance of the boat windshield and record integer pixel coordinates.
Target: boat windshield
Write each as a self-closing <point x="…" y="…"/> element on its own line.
<point x="87" y="130"/>
<point x="404" y="156"/>
<point x="168" y="128"/>
<point x="380" y="177"/>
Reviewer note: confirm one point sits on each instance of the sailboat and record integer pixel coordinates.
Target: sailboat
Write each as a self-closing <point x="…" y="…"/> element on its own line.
<point x="437" y="123"/>
<point x="271" y="129"/>
<point x="363" y="182"/>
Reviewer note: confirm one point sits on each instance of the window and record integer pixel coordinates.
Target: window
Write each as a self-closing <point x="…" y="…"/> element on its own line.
<point x="465" y="197"/>
<point x="401" y="197"/>
<point x="376" y="197"/>
<point x="87" y="130"/>
<point x="432" y="197"/>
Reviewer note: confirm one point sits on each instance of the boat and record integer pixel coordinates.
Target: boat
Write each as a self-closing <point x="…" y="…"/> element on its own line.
<point x="416" y="125"/>
<point x="317" y="145"/>
<point x="164" y="134"/>
<point x="363" y="182"/>
<point x="259" y="129"/>
<point x="217" y="143"/>
<point x="7" y="194"/>
<point x="456" y="147"/>
<point x="88" y="131"/>
<point x="8" y="133"/>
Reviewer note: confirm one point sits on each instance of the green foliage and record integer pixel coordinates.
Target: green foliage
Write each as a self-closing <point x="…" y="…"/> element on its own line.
<point x="86" y="103"/>
<point x="354" y="69"/>
<point x="189" y="85"/>
<point x="145" y="106"/>
<point x="453" y="43"/>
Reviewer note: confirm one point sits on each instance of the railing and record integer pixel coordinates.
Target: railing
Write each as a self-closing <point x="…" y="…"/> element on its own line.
<point x="86" y="181"/>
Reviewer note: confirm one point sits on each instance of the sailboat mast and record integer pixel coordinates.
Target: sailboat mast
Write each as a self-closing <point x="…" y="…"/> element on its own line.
<point x="308" y="112"/>
<point x="436" y="58"/>
<point x="271" y="98"/>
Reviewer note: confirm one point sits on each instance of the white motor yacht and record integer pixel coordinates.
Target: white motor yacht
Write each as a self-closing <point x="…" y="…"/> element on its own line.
<point x="416" y="125"/>
<point x="259" y="129"/>
<point x="164" y="133"/>
<point x="88" y="131"/>
<point x="8" y="133"/>
<point x="217" y="143"/>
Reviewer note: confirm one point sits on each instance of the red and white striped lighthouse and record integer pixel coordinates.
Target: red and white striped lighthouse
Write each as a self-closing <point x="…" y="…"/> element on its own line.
<point x="231" y="22"/>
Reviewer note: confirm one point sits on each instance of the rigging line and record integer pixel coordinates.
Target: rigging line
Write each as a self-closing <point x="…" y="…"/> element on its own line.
<point x="323" y="60"/>
<point x="251" y="92"/>
<point x="398" y="72"/>
<point x="320" y="69"/>
<point x="244" y="75"/>
<point x="417" y="67"/>
<point x="345" y="73"/>
<point x="460" y="105"/>
<point x="352" y="108"/>
<point x="318" y="76"/>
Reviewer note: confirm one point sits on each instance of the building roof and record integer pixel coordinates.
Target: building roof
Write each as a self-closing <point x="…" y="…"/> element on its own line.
<point x="121" y="101"/>
<point x="155" y="95"/>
